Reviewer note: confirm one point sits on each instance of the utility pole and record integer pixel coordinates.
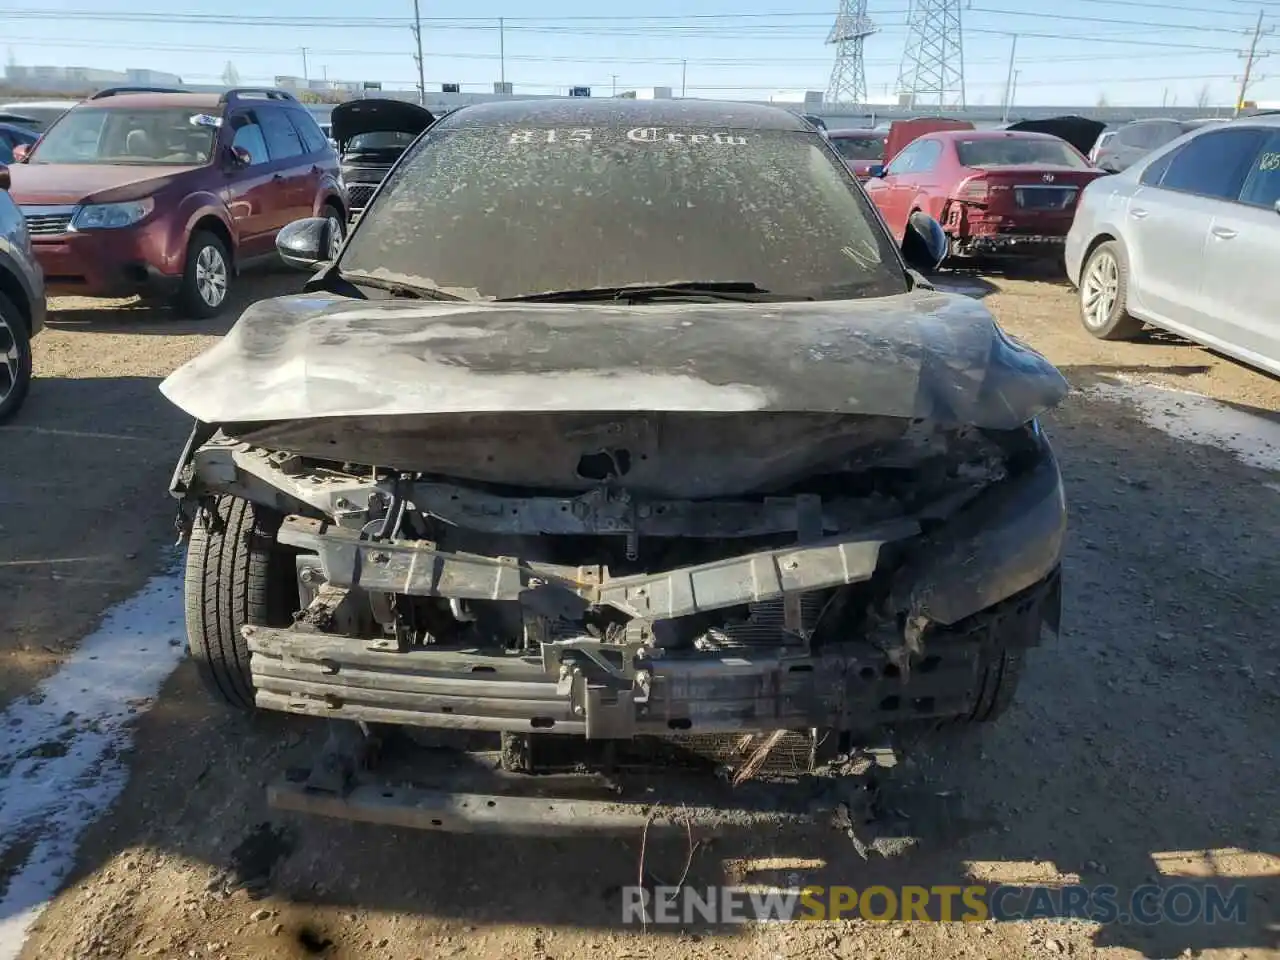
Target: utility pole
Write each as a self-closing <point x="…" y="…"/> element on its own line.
<point x="1250" y="59"/>
<point x="305" y="76"/>
<point x="502" y="51"/>
<point x="684" y="76"/>
<point x="417" y="36"/>
<point x="1013" y="92"/>
<point x="1008" y="80"/>
<point x="614" y="78"/>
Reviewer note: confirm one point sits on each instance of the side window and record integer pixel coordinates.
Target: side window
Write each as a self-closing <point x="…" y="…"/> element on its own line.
<point x="1262" y="185"/>
<point x="283" y="141"/>
<point x="248" y="136"/>
<point x="1144" y="136"/>
<point x="1155" y="170"/>
<point x="313" y="140"/>
<point x="927" y="157"/>
<point x="902" y="163"/>
<point x="6" y="148"/>
<point x="1213" y="164"/>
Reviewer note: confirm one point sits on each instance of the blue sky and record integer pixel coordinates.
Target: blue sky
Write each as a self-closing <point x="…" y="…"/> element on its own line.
<point x="1142" y="52"/>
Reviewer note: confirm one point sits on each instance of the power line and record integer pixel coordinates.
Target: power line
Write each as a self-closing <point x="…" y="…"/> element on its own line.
<point x="1074" y="18"/>
<point x="411" y="84"/>
<point x="547" y="58"/>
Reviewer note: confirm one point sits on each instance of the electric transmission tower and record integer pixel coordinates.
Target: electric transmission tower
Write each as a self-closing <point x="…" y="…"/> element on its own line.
<point x="933" y="61"/>
<point x="849" y="74"/>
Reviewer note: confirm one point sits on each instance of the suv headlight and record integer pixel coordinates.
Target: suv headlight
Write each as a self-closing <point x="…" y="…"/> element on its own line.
<point x="99" y="216"/>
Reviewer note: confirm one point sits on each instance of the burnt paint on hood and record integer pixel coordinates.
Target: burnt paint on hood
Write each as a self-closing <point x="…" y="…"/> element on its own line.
<point x="1081" y="132"/>
<point x="377" y="115"/>
<point x="59" y="183"/>
<point x="918" y="355"/>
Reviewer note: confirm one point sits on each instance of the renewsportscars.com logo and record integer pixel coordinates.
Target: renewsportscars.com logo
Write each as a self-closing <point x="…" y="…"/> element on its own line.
<point x="1148" y="904"/>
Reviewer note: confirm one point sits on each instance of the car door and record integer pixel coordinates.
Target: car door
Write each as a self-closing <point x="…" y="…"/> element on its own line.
<point x="290" y="168"/>
<point x="1169" y="219"/>
<point x="924" y="180"/>
<point x="250" y="194"/>
<point x="321" y="161"/>
<point x="889" y="191"/>
<point x="1241" y="283"/>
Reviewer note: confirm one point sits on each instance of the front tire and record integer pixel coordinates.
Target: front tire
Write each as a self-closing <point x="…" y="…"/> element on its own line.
<point x="206" y="279"/>
<point x="1104" y="292"/>
<point x="236" y="575"/>
<point x="15" y="358"/>
<point x="337" y="231"/>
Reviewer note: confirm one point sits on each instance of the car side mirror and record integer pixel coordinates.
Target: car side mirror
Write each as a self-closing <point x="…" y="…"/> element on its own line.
<point x="876" y="170"/>
<point x="306" y="244"/>
<point x="238" y="158"/>
<point x="924" y="243"/>
<point x="4" y="177"/>
<point x="21" y="152"/>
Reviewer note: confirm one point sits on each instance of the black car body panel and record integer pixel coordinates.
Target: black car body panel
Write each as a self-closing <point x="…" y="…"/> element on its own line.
<point x="377" y="115"/>
<point x="1081" y="132"/>
<point x="364" y="164"/>
<point x="601" y="533"/>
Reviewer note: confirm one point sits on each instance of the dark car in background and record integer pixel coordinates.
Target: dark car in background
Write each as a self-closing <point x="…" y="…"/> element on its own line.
<point x="860" y="149"/>
<point x="1138" y="138"/>
<point x="371" y="133"/>
<point x="22" y="303"/>
<point x="1081" y="132"/>
<point x="171" y="194"/>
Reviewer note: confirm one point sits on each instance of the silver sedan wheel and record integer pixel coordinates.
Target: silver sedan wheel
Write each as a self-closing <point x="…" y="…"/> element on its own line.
<point x="1099" y="290"/>
<point x="10" y="361"/>
<point x="335" y="239"/>
<point x="211" y="275"/>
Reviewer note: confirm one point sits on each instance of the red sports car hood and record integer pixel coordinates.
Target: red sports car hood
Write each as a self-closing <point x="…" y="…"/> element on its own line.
<point x="58" y="183"/>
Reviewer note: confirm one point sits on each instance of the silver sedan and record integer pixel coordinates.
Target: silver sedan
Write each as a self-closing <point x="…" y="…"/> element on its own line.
<point x="1187" y="239"/>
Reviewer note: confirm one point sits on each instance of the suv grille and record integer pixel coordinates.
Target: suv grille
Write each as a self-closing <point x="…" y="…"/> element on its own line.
<point x="48" y="224"/>
<point x="359" y="194"/>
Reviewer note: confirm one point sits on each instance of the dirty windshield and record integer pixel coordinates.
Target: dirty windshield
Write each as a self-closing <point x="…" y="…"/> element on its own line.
<point x="168" y="136"/>
<point x="1018" y="151"/>
<point x="501" y="212"/>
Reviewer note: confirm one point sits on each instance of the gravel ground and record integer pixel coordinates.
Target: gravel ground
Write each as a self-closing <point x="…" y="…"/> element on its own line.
<point x="1143" y="746"/>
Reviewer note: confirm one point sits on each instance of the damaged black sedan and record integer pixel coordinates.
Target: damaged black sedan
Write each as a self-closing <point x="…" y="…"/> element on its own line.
<point x="618" y="436"/>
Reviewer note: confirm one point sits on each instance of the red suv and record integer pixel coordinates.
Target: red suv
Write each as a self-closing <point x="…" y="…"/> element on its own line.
<point x="166" y="193"/>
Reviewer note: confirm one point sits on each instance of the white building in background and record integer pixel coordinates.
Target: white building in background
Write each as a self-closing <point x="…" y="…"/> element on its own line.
<point x="75" y="79"/>
<point x="648" y="93"/>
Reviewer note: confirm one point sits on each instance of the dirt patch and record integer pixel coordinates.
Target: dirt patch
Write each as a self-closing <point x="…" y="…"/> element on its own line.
<point x="1142" y="751"/>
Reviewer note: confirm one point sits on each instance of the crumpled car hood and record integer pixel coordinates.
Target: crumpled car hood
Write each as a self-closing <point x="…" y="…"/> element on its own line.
<point x="919" y="355"/>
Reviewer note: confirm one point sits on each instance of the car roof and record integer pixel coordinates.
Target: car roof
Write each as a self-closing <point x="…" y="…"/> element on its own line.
<point x="144" y="101"/>
<point x="622" y="112"/>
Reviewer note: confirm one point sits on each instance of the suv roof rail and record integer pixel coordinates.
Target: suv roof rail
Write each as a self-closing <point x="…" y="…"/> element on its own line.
<point x="264" y="93"/>
<point x="117" y="91"/>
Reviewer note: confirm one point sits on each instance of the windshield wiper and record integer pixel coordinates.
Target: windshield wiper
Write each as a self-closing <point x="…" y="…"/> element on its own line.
<point x="742" y="292"/>
<point x="405" y="291"/>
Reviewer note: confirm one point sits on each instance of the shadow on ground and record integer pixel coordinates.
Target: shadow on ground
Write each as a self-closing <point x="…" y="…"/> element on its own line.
<point x="82" y="508"/>
<point x="142" y="317"/>
<point x="1143" y="741"/>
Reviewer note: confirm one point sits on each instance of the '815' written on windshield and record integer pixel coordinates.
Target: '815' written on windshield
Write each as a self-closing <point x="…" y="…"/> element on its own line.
<point x="554" y="135"/>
